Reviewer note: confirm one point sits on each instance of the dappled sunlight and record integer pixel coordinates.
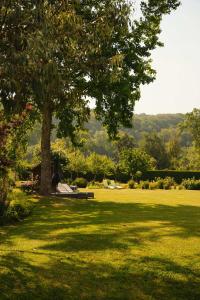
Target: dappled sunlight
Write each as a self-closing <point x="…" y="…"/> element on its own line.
<point x="83" y="249"/>
<point x="140" y="277"/>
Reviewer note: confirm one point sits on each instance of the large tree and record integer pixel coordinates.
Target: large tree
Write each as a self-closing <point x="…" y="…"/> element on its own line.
<point x="156" y="148"/>
<point x="132" y="161"/>
<point x="192" y="122"/>
<point x="11" y="141"/>
<point x="59" y="54"/>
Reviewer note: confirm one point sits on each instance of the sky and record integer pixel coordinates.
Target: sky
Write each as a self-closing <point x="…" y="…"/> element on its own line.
<point x="177" y="87"/>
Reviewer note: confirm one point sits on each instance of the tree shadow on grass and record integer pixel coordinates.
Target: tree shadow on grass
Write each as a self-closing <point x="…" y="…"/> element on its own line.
<point x="67" y="226"/>
<point x="107" y="218"/>
<point x="149" y="278"/>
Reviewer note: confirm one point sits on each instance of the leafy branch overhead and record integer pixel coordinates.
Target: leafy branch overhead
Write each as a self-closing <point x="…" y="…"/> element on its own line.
<point x="59" y="54"/>
<point x="67" y="51"/>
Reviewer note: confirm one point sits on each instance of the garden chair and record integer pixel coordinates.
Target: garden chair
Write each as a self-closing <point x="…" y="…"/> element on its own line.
<point x="113" y="184"/>
<point x="106" y="185"/>
<point x="64" y="188"/>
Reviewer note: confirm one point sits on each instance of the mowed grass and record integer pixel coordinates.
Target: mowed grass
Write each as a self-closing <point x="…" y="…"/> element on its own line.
<point x="126" y="245"/>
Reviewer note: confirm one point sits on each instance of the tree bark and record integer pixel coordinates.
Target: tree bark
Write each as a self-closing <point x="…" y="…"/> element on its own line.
<point x="46" y="176"/>
<point x="3" y="193"/>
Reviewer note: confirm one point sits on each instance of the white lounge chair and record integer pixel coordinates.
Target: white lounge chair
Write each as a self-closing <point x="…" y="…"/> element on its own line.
<point x="107" y="186"/>
<point x="113" y="184"/>
<point x="64" y="188"/>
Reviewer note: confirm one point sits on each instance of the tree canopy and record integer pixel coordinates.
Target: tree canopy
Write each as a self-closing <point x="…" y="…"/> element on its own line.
<point x="192" y="122"/>
<point x="59" y="54"/>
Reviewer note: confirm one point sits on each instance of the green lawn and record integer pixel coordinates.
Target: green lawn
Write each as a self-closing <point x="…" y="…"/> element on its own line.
<point x="125" y="245"/>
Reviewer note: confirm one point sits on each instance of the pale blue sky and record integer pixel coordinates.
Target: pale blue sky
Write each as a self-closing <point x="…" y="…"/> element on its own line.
<point x="177" y="87"/>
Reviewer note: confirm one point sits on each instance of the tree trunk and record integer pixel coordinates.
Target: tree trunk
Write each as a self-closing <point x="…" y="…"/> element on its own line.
<point x="3" y="192"/>
<point x="46" y="176"/>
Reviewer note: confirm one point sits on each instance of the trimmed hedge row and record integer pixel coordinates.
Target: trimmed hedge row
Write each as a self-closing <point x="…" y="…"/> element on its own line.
<point x="178" y="176"/>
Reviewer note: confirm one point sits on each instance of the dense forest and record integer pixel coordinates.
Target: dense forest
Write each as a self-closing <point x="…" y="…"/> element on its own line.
<point x="163" y="137"/>
<point x="164" y="124"/>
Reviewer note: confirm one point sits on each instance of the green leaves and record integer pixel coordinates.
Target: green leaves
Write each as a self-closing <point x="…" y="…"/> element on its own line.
<point x="134" y="160"/>
<point x="192" y="122"/>
<point x="54" y="50"/>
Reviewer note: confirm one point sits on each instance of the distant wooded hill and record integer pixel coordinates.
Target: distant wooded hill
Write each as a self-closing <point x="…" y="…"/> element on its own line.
<point x="166" y="125"/>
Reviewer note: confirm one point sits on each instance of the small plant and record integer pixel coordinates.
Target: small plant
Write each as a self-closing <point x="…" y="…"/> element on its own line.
<point x="153" y="185"/>
<point x="169" y="183"/>
<point x="95" y="185"/>
<point x="18" y="211"/>
<point x="80" y="182"/>
<point x="144" y="185"/>
<point x="160" y="183"/>
<point x="191" y="184"/>
<point x="131" y="184"/>
<point x="18" y="207"/>
<point x="180" y="187"/>
<point x="165" y="183"/>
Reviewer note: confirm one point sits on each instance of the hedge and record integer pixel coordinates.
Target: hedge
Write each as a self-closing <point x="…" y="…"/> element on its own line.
<point x="148" y="175"/>
<point x="177" y="175"/>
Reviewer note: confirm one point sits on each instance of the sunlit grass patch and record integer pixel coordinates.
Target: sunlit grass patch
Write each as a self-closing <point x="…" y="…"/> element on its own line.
<point x="123" y="245"/>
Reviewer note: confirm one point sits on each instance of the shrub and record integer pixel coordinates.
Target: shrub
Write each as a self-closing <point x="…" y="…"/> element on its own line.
<point x="191" y="184"/>
<point x="131" y="184"/>
<point x="95" y="185"/>
<point x="165" y="183"/>
<point x="80" y="182"/>
<point x="160" y="183"/>
<point x="19" y="206"/>
<point x="144" y="185"/>
<point x="17" y="211"/>
<point x="177" y="175"/>
<point x="153" y="185"/>
<point x="168" y="183"/>
<point x="180" y="187"/>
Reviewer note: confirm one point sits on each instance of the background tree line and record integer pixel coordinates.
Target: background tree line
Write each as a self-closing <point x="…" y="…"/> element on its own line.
<point x="159" y="141"/>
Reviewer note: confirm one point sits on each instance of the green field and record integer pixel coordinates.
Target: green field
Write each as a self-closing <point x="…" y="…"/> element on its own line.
<point x="126" y="245"/>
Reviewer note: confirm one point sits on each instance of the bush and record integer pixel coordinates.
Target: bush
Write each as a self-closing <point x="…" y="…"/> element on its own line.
<point x="160" y="183"/>
<point x="153" y="185"/>
<point x="144" y="185"/>
<point x="80" y="182"/>
<point x="168" y="183"/>
<point x="177" y="175"/>
<point x="180" y="187"/>
<point x="165" y="183"/>
<point x="19" y="206"/>
<point x="95" y="185"/>
<point x="18" y="211"/>
<point x="131" y="184"/>
<point x="191" y="184"/>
